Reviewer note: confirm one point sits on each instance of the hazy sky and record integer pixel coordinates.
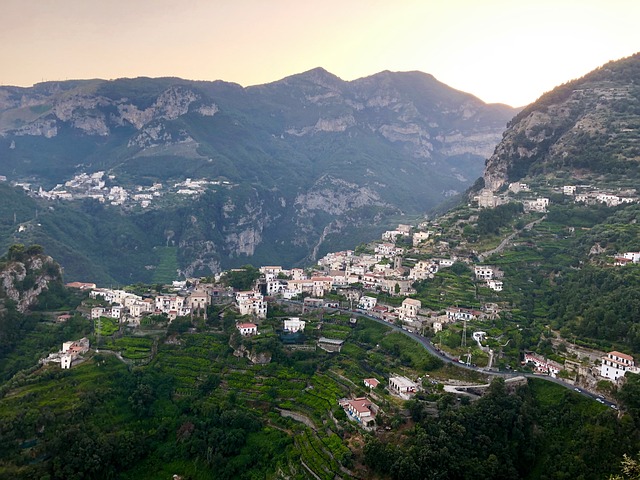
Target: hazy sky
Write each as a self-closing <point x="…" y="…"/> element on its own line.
<point x="508" y="51"/>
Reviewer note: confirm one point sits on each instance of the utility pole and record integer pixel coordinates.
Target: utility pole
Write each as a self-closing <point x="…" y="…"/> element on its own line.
<point x="464" y="333"/>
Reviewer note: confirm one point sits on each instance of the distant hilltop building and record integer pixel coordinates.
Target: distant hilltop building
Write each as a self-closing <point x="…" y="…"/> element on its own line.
<point x="518" y="187"/>
<point x="486" y="199"/>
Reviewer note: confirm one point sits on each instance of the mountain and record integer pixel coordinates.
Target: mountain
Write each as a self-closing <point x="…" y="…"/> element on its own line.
<point x="292" y="168"/>
<point x="588" y="128"/>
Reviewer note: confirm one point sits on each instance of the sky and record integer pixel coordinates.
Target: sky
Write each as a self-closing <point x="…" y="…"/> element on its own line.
<point x="502" y="51"/>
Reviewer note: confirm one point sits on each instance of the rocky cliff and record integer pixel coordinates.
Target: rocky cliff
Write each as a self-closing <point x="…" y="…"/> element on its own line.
<point x="587" y="127"/>
<point x="309" y="159"/>
<point x="25" y="276"/>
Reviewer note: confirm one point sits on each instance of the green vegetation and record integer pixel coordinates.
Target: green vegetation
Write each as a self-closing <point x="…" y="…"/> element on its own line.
<point x="167" y="267"/>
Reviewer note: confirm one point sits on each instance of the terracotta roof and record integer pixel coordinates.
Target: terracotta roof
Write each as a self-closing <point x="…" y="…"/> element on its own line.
<point x="621" y="355"/>
<point x="360" y="405"/>
<point x="246" y="325"/>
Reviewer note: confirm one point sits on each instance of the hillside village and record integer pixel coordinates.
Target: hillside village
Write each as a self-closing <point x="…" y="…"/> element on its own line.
<point x="379" y="280"/>
<point x="105" y="188"/>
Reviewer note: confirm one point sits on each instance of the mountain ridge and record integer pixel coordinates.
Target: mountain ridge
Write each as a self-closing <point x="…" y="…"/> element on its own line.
<point x="587" y="126"/>
<point x="309" y="159"/>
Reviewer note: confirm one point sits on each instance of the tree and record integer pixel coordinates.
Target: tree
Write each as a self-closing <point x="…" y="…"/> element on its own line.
<point x="630" y="469"/>
<point x="16" y="252"/>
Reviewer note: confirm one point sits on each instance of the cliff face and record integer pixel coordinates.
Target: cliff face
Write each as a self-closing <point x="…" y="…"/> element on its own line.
<point x="306" y="158"/>
<point x="24" y="280"/>
<point x="587" y="127"/>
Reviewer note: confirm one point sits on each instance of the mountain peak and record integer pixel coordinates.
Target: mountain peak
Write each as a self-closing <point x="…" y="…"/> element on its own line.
<point x="318" y="76"/>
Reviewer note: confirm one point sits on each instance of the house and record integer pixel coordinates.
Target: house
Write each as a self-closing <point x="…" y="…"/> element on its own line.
<point x="367" y="303"/>
<point x="483" y="272"/>
<point x="297" y="274"/>
<point x="97" y="312"/>
<point x="361" y="409"/>
<point x="486" y="199"/>
<point x="398" y="286"/>
<point x="457" y="313"/>
<point x="538" y="205"/>
<point x="247" y="329"/>
<point x="114" y="312"/>
<point x="169" y="303"/>
<point x="251" y="303"/>
<point x="71" y="350"/>
<point x="445" y="262"/>
<point x="542" y="365"/>
<point x="63" y="318"/>
<point x="621" y="261"/>
<point x="293" y="325"/>
<point x="138" y="308"/>
<point x="615" y="365"/>
<point x="379" y="311"/>
<point x="321" y="285"/>
<point x="420" y="237"/>
<point x="424" y="269"/>
<point x="270" y="270"/>
<point x="371" y="383"/>
<point x="569" y="190"/>
<point x="371" y="281"/>
<point x="409" y="309"/>
<point x="495" y="285"/>
<point x="276" y="287"/>
<point x="387" y="250"/>
<point x="609" y="199"/>
<point x="402" y="386"/>
<point x="633" y="256"/>
<point x="198" y="300"/>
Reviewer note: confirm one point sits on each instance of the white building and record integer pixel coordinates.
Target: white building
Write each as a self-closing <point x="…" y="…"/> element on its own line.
<point x="247" y="329"/>
<point x="294" y="324"/>
<point x="423" y="269"/>
<point x="633" y="256"/>
<point x="569" y="190"/>
<point x="409" y="309"/>
<point x="483" y="272"/>
<point x="542" y="365"/>
<point x="402" y="386"/>
<point x="251" y="303"/>
<point x="367" y="303"/>
<point x="616" y="364"/>
<point x="321" y="285"/>
<point x="495" y="285"/>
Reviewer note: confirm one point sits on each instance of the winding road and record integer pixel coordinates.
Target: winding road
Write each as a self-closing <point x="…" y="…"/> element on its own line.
<point x="426" y="343"/>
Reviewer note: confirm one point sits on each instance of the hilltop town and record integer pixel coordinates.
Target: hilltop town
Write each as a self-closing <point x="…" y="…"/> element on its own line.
<point x="428" y="279"/>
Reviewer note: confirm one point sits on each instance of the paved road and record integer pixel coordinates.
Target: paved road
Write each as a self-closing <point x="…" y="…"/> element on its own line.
<point x="426" y="343"/>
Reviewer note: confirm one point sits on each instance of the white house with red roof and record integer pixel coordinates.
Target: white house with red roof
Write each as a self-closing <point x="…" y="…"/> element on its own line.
<point x="543" y="365"/>
<point x="616" y="364"/>
<point x="371" y="383"/>
<point x="361" y="409"/>
<point x="247" y="329"/>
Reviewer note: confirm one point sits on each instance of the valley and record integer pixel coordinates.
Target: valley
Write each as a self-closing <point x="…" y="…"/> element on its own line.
<point x="309" y="318"/>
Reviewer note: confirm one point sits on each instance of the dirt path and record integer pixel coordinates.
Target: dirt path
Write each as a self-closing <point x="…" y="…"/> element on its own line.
<point x="508" y="239"/>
